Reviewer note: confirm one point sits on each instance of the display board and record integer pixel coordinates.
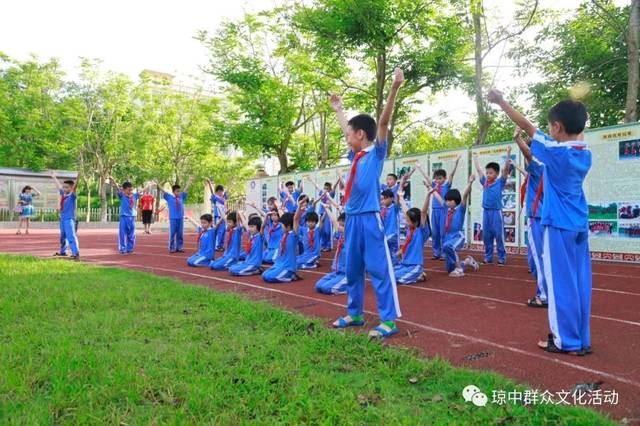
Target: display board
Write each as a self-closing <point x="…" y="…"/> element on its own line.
<point x="269" y="187"/>
<point x="305" y="181"/>
<point x="612" y="189"/>
<point x="446" y="160"/>
<point x="415" y="191"/>
<point x="253" y="192"/>
<point x="510" y="196"/>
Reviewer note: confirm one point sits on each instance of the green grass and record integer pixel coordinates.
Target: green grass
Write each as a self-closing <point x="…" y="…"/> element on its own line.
<point x="93" y="345"/>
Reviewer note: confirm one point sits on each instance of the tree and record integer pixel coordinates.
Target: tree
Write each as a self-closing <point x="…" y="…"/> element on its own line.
<point x="427" y="39"/>
<point x="587" y="59"/>
<point x="34" y="115"/>
<point x="268" y="102"/>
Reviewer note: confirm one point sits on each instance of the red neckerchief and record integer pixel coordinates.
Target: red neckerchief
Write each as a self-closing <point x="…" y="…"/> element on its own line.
<point x="177" y="202"/>
<point x="523" y="191"/>
<point x="249" y="244"/>
<point x="408" y="240"/>
<point x="283" y="243"/>
<point x="352" y="175"/>
<point x="449" y="217"/>
<point x="383" y="213"/>
<point x="438" y="188"/>
<point x="339" y="249"/>
<point x="310" y="239"/>
<point x="130" y="197"/>
<point x="62" y="200"/>
<point x="488" y="183"/>
<point x="273" y="228"/>
<point x="202" y="231"/>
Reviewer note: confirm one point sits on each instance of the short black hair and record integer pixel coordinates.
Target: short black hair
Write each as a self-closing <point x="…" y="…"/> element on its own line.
<point x="290" y="183"/>
<point x="342" y="217"/>
<point x="219" y="188"/>
<point x="328" y="185"/>
<point x="287" y="220"/>
<point x="453" y="195"/>
<point x="127" y="185"/>
<point x="393" y="175"/>
<point x="176" y="186"/>
<point x="232" y="216"/>
<point x="414" y="214"/>
<point x="493" y="165"/>
<point x="440" y="173"/>
<point x="207" y="217"/>
<point x="69" y="182"/>
<point x="252" y="215"/>
<point x="571" y="114"/>
<point x="303" y="197"/>
<point x="387" y="193"/>
<point x="255" y="221"/>
<point x="26" y="188"/>
<point x="272" y="199"/>
<point x="274" y="211"/>
<point x="313" y="217"/>
<point x="365" y="123"/>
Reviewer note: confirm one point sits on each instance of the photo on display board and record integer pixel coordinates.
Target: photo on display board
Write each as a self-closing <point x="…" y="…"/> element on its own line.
<point x="509" y="218"/>
<point x="509" y="234"/>
<point x="603" y="211"/>
<point x="629" y="150"/>
<point x="603" y="228"/>
<point x="510" y="185"/>
<point x="629" y="210"/>
<point x="509" y="201"/>
<point x="477" y="231"/>
<point x="407" y="189"/>
<point x="629" y="230"/>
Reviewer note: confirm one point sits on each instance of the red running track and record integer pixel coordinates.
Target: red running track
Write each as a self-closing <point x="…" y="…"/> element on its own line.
<point x="481" y="313"/>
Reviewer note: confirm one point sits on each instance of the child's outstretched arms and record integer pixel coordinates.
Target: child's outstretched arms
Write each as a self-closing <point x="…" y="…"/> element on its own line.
<point x="302" y="206"/>
<point x="424" y="174"/>
<point x="467" y="191"/>
<point x="524" y="147"/>
<point x="424" y="217"/>
<point x="476" y="163"/>
<point x="191" y="221"/>
<point x="507" y="165"/>
<point x="336" y="104"/>
<point x="403" y="203"/>
<point x="189" y="182"/>
<point x="495" y="96"/>
<point x="455" y="169"/>
<point x="55" y="179"/>
<point x="259" y="211"/>
<point x="385" y="117"/>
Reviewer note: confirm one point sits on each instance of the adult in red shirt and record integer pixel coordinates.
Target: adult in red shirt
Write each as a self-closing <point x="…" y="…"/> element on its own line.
<point x="147" y="201"/>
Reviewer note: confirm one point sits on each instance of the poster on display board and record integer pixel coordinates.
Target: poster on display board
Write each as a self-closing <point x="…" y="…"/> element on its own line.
<point x="446" y="160"/>
<point x="268" y="188"/>
<point x="510" y="196"/>
<point x="253" y="192"/>
<point x="415" y="191"/>
<point x="612" y="188"/>
<point x="305" y="180"/>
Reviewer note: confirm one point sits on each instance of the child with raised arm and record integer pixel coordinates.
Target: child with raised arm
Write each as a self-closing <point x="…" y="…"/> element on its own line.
<point x="492" y="224"/>
<point x="565" y="217"/>
<point x="285" y="268"/>
<point x="410" y="268"/>
<point x="364" y="234"/>
<point x="232" y="242"/>
<point x="206" y="236"/>
<point x="67" y="211"/>
<point x="441" y="186"/>
<point x="389" y="212"/>
<point x="454" y="230"/>
<point x="289" y="196"/>
<point x="175" y="203"/>
<point x="324" y="194"/>
<point x="532" y="181"/>
<point x="25" y="206"/>
<point x="335" y="282"/>
<point x="128" y="211"/>
<point x="252" y="264"/>
<point x="218" y="210"/>
<point x="309" y="236"/>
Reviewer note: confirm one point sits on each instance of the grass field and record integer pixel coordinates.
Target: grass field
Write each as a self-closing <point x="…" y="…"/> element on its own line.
<point x="93" y="345"/>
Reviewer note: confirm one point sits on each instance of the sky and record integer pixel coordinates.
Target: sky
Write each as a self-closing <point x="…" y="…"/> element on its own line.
<point x="132" y="35"/>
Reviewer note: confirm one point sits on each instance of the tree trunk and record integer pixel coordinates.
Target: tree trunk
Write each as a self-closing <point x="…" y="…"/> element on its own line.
<point x="282" y="157"/>
<point x="88" y="218"/>
<point x="381" y="72"/>
<point x="102" y="190"/>
<point x="483" y="119"/>
<point x="324" y="141"/>
<point x="633" y="63"/>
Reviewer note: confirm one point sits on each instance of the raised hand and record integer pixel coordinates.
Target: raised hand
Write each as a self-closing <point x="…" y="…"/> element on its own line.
<point x="336" y="102"/>
<point x="472" y="178"/>
<point x="398" y="77"/>
<point x="495" y="96"/>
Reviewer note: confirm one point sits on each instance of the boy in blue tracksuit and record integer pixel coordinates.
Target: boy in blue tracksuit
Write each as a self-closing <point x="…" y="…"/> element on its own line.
<point x="206" y="236"/>
<point x="325" y="226"/>
<point x="454" y="230"/>
<point x="335" y="282"/>
<point x="533" y="203"/>
<point x="218" y="210"/>
<point x="128" y="210"/>
<point x="410" y="268"/>
<point x="389" y="213"/>
<point x="175" y="204"/>
<point x="391" y="184"/>
<point x="67" y="211"/>
<point x="492" y="223"/>
<point x="272" y="235"/>
<point x="565" y="217"/>
<point x="252" y="264"/>
<point x="365" y="243"/>
<point x="309" y="236"/>
<point x="285" y="268"/>
<point x="232" y="242"/>
<point x="441" y="185"/>
<point x="289" y="197"/>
